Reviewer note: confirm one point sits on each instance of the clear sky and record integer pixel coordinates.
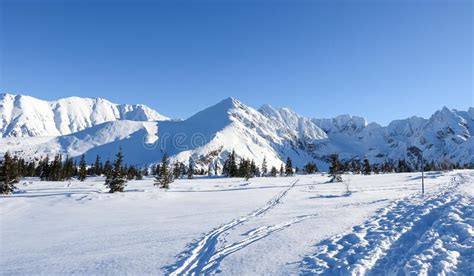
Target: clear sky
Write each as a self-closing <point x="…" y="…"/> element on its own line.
<point x="382" y="60"/>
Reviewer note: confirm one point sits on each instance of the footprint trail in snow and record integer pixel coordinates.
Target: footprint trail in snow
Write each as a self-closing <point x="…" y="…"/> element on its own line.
<point x="416" y="235"/>
<point x="204" y="257"/>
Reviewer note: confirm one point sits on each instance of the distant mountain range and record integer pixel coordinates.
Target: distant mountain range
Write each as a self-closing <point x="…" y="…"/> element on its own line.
<point x="74" y="126"/>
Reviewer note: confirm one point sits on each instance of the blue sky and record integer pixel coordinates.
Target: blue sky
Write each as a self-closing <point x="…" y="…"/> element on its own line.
<point x="382" y="60"/>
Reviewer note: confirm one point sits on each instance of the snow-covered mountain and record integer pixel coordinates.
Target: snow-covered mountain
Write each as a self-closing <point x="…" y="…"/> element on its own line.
<point x="271" y="133"/>
<point x="207" y="137"/>
<point x="24" y="116"/>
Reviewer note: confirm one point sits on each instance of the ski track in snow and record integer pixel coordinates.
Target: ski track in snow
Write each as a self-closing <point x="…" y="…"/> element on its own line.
<point x="412" y="236"/>
<point x="202" y="256"/>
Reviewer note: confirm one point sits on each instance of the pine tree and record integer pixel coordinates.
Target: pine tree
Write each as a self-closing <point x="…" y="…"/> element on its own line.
<point x="367" y="168"/>
<point x="56" y="169"/>
<point x="376" y="168"/>
<point x="182" y="169"/>
<point x="190" y="168"/>
<point x="335" y="170"/>
<point x="273" y="172"/>
<point x="248" y="169"/>
<point x="233" y="170"/>
<point x="255" y="170"/>
<point x="230" y="168"/>
<point x="115" y="181"/>
<point x="131" y="172"/>
<point x="8" y="176"/>
<point x="97" y="166"/>
<point x="176" y="170"/>
<point x="107" y="168"/>
<point x="310" y="168"/>
<point x="209" y="170"/>
<point x="45" y="169"/>
<point x="402" y="166"/>
<point x="164" y="176"/>
<point x="288" y="167"/>
<point x="282" y="170"/>
<point x="264" y="167"/>
<point x="68" y="168"/>
<point x="82" y="168"/>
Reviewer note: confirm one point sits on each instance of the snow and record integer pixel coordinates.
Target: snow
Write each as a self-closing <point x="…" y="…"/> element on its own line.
<point x="77" y="126"/>
<point x="25" y="116"/>
<point x="283" y="225"/>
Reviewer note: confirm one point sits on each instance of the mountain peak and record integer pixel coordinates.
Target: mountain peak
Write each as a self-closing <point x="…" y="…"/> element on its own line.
<point x="218" y="111"/>
<point x="230" y="102"/>
<point x="24" y="116"/>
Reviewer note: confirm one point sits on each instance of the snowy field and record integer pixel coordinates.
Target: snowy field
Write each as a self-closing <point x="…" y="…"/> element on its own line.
<point x="288" y="225"/>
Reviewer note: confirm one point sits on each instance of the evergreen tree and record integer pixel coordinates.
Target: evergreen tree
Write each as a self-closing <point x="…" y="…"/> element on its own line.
<point x="264" y="167"/>
<point x="82" y="168"/>
<point x="402" y="166"/>
<point x="255" y="170"/>
<point x="335" y="170"/>
<point x="45" y="169"/>
<point x="367" y="168"/>
<point x="249" y="169"/>
<point x="176" y="170"/>
<point x="273" y="172"/>
<point x="310" y="168"/>
<point x="233" y="170"/>
<point x="8" y="176"/>
<point x="131" y="173"/>
<point x="115" y="181"/>
<point x="282" y="170"/>
<point x="288" y="167"/>
<point x="376" y="168"/>
<point x="209" y="170"/>
<point x="107" y="171"/>
<point x="230" y="168"/>
<point x="145" y="171"/>
<point x="190" y="168"/>
<point x="182" y="169"/>
<point x="139" y="174"/>
<point x="216" y="168"/>
<point x="68" y="169"/>
<point x="56" y="169"/>
<point x="164" y="176"/>
<point x="97" y="166"/>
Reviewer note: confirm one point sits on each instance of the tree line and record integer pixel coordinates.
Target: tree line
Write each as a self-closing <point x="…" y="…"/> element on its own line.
<point x="117" y="174"/>
<point x="355" y="166"/>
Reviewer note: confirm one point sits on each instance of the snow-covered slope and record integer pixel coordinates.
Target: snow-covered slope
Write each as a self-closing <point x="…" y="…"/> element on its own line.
<point x="208" y="137"/>
<point x="446" y="136"/>
<point x="297" y="225"/>
<point x="98" y="127"/>
<point x="24" y="116"/>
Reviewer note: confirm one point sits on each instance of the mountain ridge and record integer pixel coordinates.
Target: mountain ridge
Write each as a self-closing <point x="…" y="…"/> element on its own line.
<point x="24" y="116"/>
<point x="274" y="133"/>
